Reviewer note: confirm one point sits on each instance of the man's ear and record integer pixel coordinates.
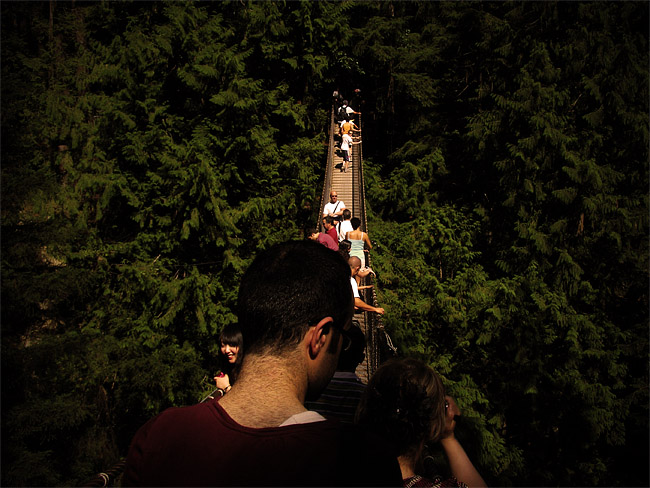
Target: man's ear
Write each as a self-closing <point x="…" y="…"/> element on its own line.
<point x="319" y="335"/>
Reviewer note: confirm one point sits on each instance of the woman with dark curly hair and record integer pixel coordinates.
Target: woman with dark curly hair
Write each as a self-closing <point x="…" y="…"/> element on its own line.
<point x="405" y="404"/>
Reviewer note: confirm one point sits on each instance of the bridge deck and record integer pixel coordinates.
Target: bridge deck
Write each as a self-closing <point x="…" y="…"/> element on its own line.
<point x="347" y="185"/>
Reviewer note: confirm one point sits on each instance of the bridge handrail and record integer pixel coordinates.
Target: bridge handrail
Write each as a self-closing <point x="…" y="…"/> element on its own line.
<point x="108" y="477"/>
<point x="328" y="172"/>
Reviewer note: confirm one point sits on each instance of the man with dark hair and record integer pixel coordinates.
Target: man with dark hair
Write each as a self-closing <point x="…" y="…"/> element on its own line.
<point x="340" y="399"/>
<point x="294" y="307"/>
<point x="330" y="229"/>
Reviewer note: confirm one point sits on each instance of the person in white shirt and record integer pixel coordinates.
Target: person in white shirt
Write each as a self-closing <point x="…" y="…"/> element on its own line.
<point x="335" y="206"/>
<point x="344" y="226"/>
<point x="346" y="144"/>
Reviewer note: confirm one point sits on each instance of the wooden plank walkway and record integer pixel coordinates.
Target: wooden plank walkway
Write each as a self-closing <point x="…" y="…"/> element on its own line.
<point x="347" y="185"/>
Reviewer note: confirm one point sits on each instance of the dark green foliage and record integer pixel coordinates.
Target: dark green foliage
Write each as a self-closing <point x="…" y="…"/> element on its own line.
<point x="152" y="149"/>
<point x="149" y="150"/>
<point x="512" y="230"/>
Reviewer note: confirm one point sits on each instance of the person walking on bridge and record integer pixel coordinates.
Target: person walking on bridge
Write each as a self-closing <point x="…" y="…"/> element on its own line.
<point x="346" y="148"/>
<point x="348" y="127"/>
<point x="344" y="226"/>
<point x="358" y="240"/>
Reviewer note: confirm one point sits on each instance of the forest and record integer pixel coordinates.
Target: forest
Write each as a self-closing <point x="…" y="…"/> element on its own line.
<point x="151" y="149"/>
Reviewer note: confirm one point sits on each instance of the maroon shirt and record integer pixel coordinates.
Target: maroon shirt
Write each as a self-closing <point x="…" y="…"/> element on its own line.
<point x="202" y="445"/>
<point x="327" y="241"/>
<point x="334" y="235"/>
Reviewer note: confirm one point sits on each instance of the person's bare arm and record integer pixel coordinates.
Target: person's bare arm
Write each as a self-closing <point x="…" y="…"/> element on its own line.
<point x="360" y="304"/>
<point x="366" y="239"/>
<point x="460" y="464"/>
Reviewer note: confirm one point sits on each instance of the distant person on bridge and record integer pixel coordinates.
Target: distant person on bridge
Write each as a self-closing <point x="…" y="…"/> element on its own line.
<point x="337" y="100"/>
<point x="294" y="308"/>
<point x="346" y="147"/>
<point x="334" y="207"/>
<point x="344" y="112"/>
<point x="323" y="238"/>
<point x="339" y="401"/>
<point x="348" y="127"/>
<point x="355" y="266"/>
<point x="330" y="229"/>
<point x="405" y="404"/>
<point x="356" y="102"/>
<point x="358" y="240"/>
<point x="344" y="226"/>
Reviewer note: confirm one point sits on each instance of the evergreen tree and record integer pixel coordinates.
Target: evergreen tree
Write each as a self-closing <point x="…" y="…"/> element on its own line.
<point x="549" y="305"/>
<point x="155" y="155"/>
<point x="151" y="149"/>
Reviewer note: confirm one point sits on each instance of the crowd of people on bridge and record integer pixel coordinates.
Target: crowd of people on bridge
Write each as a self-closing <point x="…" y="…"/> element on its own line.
<point x="348" y="130"/>
<point x="342" y="234"/>
<point x="290" y="409"/>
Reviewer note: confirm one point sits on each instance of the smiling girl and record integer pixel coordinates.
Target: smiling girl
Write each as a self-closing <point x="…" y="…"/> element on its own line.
<point x="231" y="354"/>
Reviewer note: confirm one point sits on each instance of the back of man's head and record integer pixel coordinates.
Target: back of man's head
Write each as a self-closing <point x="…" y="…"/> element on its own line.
<point x="347" y="215"/>
<point x="288" y="288"/>
<point x="354" y="262"/>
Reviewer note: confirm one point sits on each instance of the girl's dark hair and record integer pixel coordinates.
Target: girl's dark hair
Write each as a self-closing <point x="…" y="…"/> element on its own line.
<point x="344" y="249"/>
<point x="231" y="335"/>
<point x="355" y="222"/>
<point x="404" y="404"/>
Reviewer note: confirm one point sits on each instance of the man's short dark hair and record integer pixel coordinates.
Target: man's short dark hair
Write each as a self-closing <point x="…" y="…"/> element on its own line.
<point x="288" y="288"/>
<point x="329" y="219"/>
<point x="347" y="214"/>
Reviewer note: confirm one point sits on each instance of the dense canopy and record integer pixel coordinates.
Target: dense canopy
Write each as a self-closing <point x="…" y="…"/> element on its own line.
<point x="151" y="149"/>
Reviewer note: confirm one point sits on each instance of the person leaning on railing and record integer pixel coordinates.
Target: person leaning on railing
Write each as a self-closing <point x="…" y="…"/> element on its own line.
<point x="355" y="267"/>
